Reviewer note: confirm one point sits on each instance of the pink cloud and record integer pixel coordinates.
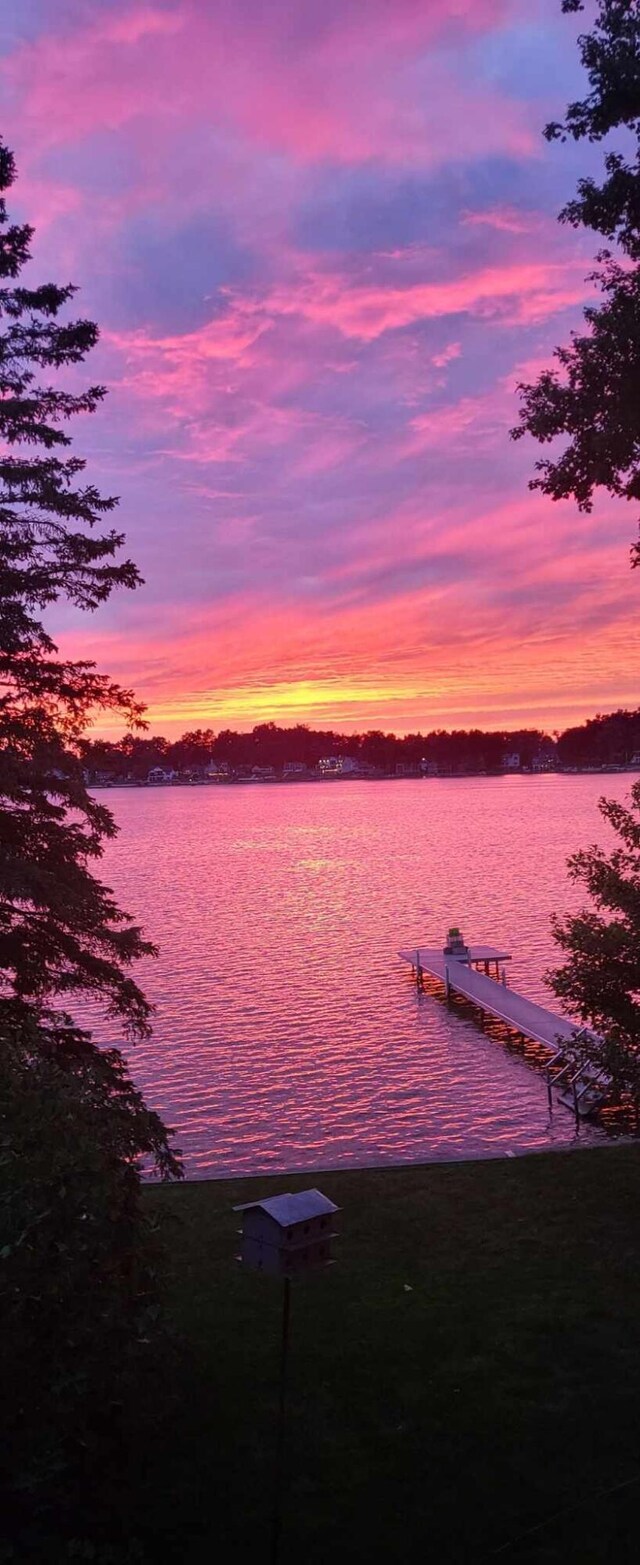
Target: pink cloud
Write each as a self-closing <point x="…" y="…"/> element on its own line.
<point x="469" y="421"/>
<point x="142" y="22"/>
<point x="365" y="310"/>
<point x="452" y="351"/>
<point x="181" y="369"/>
<point x="339" y="91"/>
<point x="442" y="652"/>
<point x="505" y="220"/>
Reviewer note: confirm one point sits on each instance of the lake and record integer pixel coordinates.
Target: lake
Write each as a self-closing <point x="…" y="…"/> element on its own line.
<point x="288" y="1035"/>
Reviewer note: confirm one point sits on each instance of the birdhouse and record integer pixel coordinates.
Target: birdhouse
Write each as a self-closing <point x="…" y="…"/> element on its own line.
<point x="287" y="1233"/>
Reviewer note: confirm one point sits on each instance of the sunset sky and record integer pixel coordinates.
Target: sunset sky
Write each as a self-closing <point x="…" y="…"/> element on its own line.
<point x="320" y="239"/>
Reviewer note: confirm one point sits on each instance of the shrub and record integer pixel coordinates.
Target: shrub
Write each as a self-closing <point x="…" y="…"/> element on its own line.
<point x="78" y="1262"/>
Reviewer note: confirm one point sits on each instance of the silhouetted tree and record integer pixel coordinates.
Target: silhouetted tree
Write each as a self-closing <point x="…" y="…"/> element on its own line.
<point x="593" y="399"/>
<point x="192" y="750"/>
<point x="611" y="740"/>
<point x="61" y="931"/>
<point x="73" y="1128"/>
<point x="269" y="745"/>
<point x="600" y="980"/>
<point x="62" y="934"/>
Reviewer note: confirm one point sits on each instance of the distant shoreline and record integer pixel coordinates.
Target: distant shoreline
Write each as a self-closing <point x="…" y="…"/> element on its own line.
<point x="270" y="782"/>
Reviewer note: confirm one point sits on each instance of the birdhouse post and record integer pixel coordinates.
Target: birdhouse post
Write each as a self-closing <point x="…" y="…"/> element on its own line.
<point x="281" y="1236"/>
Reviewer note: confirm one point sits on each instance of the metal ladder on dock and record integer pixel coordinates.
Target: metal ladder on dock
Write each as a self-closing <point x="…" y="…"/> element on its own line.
<point x="582" y="1089"/>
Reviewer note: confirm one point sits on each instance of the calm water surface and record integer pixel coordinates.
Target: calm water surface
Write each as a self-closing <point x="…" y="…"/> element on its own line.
<point x="288" y="1035"/>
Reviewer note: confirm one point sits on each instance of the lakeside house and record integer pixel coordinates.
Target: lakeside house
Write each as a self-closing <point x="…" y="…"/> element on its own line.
<point x="338" y="766"/>
<point x="160" y="775"/>
<point x="98" y="777"/>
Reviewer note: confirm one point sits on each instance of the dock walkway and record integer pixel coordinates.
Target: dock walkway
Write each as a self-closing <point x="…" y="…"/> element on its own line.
<point x="528" y="1018"/>
<point x="584" y="1089"/>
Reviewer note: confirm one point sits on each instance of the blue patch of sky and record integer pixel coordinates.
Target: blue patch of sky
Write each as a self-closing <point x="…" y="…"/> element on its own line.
<point x="103" y="163"/>
<point x="365" y="209"/>
<point x="22" y="21"/>
<point x="360" y="210"/>
<point x="171" y="279"/>
<point x="157" y="270"/>
<point x="26" y="19"/>
<point x="538" y="61"/>
<point x="534" y="60"/>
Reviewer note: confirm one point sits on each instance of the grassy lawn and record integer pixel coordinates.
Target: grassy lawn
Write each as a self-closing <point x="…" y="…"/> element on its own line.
<point x="467" y="1370"/>
<point x="470" y="1368"/>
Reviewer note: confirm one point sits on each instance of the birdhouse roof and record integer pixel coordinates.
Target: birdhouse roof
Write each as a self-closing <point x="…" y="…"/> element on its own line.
<point x="291" y="1208"/>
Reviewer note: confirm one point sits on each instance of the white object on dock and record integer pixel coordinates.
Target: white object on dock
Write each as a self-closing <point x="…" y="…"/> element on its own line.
<point x="433" y="961"/>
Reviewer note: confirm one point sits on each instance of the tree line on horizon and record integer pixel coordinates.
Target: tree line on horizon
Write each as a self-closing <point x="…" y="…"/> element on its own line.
<point x="608" y="740"/>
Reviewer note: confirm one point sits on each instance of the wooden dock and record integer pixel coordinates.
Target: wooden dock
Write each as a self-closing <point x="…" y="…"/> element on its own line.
<point x="579" y="1089"/>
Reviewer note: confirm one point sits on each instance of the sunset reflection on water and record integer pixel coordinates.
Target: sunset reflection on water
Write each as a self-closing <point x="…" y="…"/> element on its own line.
<point x="287" y="1033"/>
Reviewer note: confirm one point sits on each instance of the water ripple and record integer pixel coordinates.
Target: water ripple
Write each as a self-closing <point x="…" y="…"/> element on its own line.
<point x="287" y="1033"/>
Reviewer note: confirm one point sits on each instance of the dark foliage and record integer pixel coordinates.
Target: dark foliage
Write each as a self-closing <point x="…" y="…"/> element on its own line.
<point x="600" y="980"/>
<point x="61" y="932"/>
<point x="611" y="740"/>
<point x="77" y="1259"/>
<point x="75" y="1270"/>
<point x="131" y="759"/>
<point x="592" y="400"/>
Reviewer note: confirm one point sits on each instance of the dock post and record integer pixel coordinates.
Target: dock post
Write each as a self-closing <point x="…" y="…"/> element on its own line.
<point x="504" y="976"/>
<point x="418" y="970"/>
<point x="446" y="981"/>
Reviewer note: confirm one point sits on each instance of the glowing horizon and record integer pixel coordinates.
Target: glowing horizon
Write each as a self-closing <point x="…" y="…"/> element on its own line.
<point x="321" y="256"/>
